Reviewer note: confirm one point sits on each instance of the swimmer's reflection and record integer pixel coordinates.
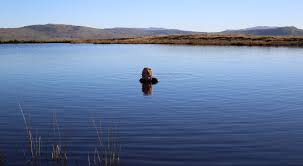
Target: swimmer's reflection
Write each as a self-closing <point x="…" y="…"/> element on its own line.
<point x="147" y="89"/>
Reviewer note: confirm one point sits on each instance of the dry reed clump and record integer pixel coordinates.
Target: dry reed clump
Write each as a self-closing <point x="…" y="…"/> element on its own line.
<point x="33" y="142"/>
<point x="59" y="150"/>
<point x="106" y="152"/>
<point x="58" y="155"/>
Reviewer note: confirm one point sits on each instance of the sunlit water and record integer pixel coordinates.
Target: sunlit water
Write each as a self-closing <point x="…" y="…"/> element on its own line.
<point x="213" y="105"/>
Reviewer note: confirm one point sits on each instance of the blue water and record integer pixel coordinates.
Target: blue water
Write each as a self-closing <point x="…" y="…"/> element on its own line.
<point x="213" y="105"/>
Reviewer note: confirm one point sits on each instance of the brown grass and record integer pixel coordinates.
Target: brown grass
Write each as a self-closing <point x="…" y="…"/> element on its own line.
<point x="34" y="143"/>
<point x="196" y="39"/>
<point x="106" y="152"/>
<point x="210" y="39"/>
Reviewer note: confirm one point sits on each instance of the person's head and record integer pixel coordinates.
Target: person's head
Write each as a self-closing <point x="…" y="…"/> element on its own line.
<point x="147" y="72"/>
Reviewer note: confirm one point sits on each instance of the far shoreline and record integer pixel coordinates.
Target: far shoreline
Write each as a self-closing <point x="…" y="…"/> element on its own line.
<point x="194" y="40"/>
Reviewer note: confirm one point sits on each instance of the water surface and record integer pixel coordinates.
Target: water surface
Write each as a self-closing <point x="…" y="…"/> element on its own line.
<point x="213" y="105"/>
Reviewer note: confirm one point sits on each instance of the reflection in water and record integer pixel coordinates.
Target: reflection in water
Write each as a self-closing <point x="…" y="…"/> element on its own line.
<point x="147" y="88"/>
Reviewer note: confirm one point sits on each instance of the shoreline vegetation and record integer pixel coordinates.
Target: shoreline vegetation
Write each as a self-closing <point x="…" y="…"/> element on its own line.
<point x="52" y="150"/>
<point x="196" y="39"/>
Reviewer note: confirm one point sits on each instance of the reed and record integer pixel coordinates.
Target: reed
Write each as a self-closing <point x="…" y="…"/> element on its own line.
<point x="34" y="142"/>
<point x="59" y="150"/>
<point x="58" y="154"/>
<point x="105" y="153"/>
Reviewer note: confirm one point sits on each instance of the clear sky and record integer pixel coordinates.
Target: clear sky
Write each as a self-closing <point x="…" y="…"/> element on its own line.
<point x="199" y="15"/>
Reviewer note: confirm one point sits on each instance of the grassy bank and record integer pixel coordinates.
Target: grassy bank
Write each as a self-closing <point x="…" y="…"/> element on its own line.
<point x="217" y="40"/>
<point x="198" y="39"/>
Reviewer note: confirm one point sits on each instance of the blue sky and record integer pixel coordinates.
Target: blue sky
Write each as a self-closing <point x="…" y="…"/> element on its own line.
<point x="199" y="15"/>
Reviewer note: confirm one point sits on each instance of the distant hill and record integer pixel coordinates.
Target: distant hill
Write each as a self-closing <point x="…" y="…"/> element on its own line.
<point x="61" y="32"/>
<point x="69" y="32"/>
<point x="268" y="31"/>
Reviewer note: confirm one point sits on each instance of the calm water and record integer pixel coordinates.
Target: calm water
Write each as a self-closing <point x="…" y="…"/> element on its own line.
<point x="213" y="106"/>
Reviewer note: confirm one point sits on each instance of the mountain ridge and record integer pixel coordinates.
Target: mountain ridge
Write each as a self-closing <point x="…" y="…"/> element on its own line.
<point x="268" y="31"/>
<point x="73" y="32"/>
<point x="62" y="32"/>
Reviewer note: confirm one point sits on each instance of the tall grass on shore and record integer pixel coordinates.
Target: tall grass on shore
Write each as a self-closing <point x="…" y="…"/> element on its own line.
<point x="105" y="153"/>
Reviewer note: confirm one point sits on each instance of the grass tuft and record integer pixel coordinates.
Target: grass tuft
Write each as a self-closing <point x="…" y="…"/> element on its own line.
<point x="106" y="152"/>
<point x="34" y="142"/>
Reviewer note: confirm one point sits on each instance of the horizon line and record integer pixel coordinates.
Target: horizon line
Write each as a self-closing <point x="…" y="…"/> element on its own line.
<point x="150" y="27"/>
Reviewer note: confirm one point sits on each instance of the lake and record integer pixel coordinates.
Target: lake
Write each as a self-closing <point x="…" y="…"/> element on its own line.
<point x="213" y="105"/>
